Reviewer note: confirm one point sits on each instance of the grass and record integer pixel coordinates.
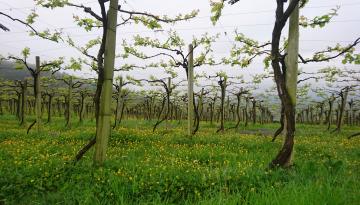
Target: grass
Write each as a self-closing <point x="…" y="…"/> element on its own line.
<point x="166" y="167"/>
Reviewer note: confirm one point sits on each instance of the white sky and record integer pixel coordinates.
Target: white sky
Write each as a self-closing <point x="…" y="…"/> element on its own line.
<point x="254" y="18"/>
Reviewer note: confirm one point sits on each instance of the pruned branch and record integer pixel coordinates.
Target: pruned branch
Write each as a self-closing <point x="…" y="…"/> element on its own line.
<point x="4" y="28"/>
<point x="87" y="10"/>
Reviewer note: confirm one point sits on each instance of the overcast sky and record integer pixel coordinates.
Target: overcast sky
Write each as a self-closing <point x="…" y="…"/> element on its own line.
<point x="254" y="18"/>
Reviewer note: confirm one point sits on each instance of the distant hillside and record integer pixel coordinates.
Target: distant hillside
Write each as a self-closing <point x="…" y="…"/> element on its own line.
<point x="9" y="72"/>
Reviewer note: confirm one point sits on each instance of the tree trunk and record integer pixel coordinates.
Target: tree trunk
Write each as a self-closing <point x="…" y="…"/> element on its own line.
<point x="238" y="116"/>
<point x="201" y="104"/>
<point x="190" y="90"/>
<point x="287" y="81"/>
<point x="160" y="120"/>
<point x="246" y="111"/>
<point x="118" y="102"/>
<point x="227" y="109"/>
<point x="18" y="105"/>
<point x="222" y="106"/>
<point x="238" y="111"/>
<point x="168" y="104"/>
<point x="82" y="104"/>
<point x="196" y="117"/>
<point x="350" y="117"/>
<point x="23" y="103"/>
<point x="321" y="122"/>
<point x="49" y="108"/>
<point x="254" y="111"/>
<point x="343" y="95"/>
<point x="122" y="111"/>
<point x="69" y="103"/>
<point x="212" y="109"/>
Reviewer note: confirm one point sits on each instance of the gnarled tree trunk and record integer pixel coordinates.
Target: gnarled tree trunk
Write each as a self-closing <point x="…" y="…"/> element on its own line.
<point x="285" y="73"/>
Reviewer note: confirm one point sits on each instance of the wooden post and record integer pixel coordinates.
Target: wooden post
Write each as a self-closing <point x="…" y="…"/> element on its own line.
<point x="103" y="126"/>
<point x="291" y="59"/>
<point x="190" y="90"/>
<point x="38" y="95"/>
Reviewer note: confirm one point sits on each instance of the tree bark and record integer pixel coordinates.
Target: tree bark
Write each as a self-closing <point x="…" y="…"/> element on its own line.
<point x="196" y="117"/>
<point x="190" y="90"/>
<point x="238" y="97"/>
<point x="343" y="95"/>
<point x="222" y="83"/>
<point x="118" y="102"/>
<point x="286" y="72"/>
<point x="23" y="103"/>
<point x="50" y="97"/>
<point x="18" y="105"/>
<point x="82" y="103"/>
<point x="246" y="111"/>
<point x="69" y="103"/>
<point x="350" y="115"/>
<point x="254" y="111"/>
<point x="329" y="116"/>
<point x="212" y="109"/>
<point x="160" y="120"/>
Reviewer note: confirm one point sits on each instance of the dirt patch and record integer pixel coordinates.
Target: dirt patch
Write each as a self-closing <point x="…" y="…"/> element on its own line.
<point x="260" y="132"/>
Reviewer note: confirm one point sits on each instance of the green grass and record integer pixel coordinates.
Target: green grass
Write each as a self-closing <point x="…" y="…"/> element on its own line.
<point x="167" y="167"/>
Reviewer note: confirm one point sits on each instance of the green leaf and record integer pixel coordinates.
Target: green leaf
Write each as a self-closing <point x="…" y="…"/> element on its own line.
<point x="216" y="9"/>
<point x="25" y="52"/>
<point x="31" y="17"/>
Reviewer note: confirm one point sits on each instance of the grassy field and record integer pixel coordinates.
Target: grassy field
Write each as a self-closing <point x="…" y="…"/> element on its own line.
<point x="167" y="167"/>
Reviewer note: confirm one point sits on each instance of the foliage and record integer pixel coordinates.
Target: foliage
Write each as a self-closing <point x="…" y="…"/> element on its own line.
<point x="87" y="23"/>
<point x="319" y="21"/>
<point x="31" y="17"/>
<point x="216" y="8"/>
<point x="172" y="49"/>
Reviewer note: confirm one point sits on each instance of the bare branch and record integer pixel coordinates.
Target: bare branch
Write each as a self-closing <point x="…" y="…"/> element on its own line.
<point x="30" y="26"/>
<point x="356" y="42"/>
